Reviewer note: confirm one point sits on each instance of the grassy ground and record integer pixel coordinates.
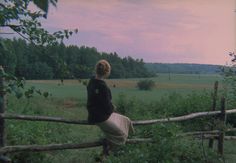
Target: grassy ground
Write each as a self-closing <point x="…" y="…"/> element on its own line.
<point x="68" y="100"/>
<point x="179" y="83"/>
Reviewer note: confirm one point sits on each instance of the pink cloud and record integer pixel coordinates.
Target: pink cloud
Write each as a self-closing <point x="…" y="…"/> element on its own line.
<point x="164" y="30"/>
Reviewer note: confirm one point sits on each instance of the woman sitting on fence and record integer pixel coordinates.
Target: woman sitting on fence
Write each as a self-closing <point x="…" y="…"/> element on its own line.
<point x="101" y="110"/>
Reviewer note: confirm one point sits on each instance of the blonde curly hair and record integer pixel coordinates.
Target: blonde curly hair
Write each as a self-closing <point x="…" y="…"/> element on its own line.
<point x="103" y="68"/>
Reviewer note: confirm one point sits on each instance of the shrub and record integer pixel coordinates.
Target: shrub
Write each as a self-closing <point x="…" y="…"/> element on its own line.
<point x="167" y="147"/>
<point x="146" y="84"/>
<point x="121" y="104"/>
<point x="131" y="107"/>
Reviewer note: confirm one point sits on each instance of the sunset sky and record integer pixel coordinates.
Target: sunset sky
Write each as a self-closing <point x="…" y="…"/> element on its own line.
<point x="168" y="31"/>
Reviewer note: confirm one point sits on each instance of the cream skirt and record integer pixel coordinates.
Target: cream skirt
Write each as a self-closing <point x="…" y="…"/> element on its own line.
<point x="116" y="128"/>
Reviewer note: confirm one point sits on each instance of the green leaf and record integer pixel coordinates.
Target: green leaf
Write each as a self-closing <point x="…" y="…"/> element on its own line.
<point x="42" y="4"/>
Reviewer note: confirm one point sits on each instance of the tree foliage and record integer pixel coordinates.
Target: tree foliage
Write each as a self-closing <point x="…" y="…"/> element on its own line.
<point x="19" y="17"/>
<point x="183" y="68"/>
<point x="229" y="74"/>
<point x="59" y="61"/>
<point x="146" y="84"/>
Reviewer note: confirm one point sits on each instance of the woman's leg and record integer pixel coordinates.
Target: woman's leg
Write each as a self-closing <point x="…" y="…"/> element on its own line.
<point x="106" y="147"/>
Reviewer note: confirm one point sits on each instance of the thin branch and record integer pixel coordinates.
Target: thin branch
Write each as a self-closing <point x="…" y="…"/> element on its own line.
<point x="13" y="26"/>
<point x="26" y="38"/>
<point x="216" y="137"/>
<point x="206" y="132"/>
<point x="10" y="25"/>
<point x="203" y="149"/>
<point x="139" y="140"/>
<point x="230" y="137"/>
<point x="207" y="136"/>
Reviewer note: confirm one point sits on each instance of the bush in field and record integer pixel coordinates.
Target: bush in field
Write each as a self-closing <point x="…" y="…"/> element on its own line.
<point x="167" y="147"/>
<point x="146" y="84"/>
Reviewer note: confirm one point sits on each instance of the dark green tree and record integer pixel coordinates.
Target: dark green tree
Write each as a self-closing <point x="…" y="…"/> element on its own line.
<point x="21" y="19"/>
<point x="64" y="62"/>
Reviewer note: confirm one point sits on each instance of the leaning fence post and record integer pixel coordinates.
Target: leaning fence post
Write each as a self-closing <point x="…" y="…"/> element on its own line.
<point x="2" y="107"/>
<point x="3" y="159"/>
<point x="211" y="141"/>
<point x="222" y="133"/>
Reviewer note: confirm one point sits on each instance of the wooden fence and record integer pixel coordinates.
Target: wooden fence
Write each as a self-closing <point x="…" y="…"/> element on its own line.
<point x="212" y="134"/>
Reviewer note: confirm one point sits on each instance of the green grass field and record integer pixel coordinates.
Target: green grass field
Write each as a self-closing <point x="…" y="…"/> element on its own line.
<point x="69" y="101"/>
<point x="180" y="83"/>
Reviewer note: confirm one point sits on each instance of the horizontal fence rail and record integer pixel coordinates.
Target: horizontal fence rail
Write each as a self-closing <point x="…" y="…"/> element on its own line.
<point x="51" y="147"/>
<point x="182" y="118"/>
<point x="206" y="132"/>
<point x="96" y="143"/>
<point x="42" y="118"/>
<point x="138" y="122"/>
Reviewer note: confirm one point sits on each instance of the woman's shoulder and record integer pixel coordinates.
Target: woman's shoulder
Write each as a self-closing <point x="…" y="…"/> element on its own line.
<point x="98" y="82"/>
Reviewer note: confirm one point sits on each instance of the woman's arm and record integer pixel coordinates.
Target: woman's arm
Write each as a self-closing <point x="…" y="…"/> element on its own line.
<point x="106" y="99"/>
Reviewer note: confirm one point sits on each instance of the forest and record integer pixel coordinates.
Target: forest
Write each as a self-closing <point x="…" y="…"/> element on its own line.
<point x="183" y="68"/>
<point x="59" y="61"/>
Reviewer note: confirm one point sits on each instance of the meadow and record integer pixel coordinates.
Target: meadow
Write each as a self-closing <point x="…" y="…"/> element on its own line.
<point x="180" y="83"/>
<point x="172" y="95"/>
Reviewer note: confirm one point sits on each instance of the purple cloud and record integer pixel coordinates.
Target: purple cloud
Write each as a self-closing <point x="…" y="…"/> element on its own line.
<point x="155" y="30"/>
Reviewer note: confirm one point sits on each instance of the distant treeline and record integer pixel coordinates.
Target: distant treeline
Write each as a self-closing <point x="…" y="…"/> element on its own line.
<point x="62" y="62"/>
<point x="183" y="68"/>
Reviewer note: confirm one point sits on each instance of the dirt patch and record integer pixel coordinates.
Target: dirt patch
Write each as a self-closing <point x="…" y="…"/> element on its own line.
<point x="121" y="83"/>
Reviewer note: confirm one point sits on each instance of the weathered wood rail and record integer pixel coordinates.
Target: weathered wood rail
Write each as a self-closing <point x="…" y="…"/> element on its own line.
<point x="51" y="147"/>
<point x="213" y="134"/>
<point x="138" y="122"/>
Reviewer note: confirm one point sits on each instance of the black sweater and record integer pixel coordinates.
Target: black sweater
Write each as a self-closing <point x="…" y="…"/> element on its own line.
<point x="99" y="101"/>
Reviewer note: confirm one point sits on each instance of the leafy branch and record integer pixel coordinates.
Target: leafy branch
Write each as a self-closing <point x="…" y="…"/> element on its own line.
<point x="229" y="74"/>
<point x="17" y="16"/>
<point x="16" y="86"/>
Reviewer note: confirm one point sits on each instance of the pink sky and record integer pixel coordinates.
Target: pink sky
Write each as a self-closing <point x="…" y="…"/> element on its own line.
<point x="169" y="31"/>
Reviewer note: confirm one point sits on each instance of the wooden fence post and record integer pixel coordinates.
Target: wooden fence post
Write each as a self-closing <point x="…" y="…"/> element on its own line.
<point x="211" y="141"/>
<point x="2" y="107"/>
<point x="222" y="133"/>
<point x="3" y="159"/>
